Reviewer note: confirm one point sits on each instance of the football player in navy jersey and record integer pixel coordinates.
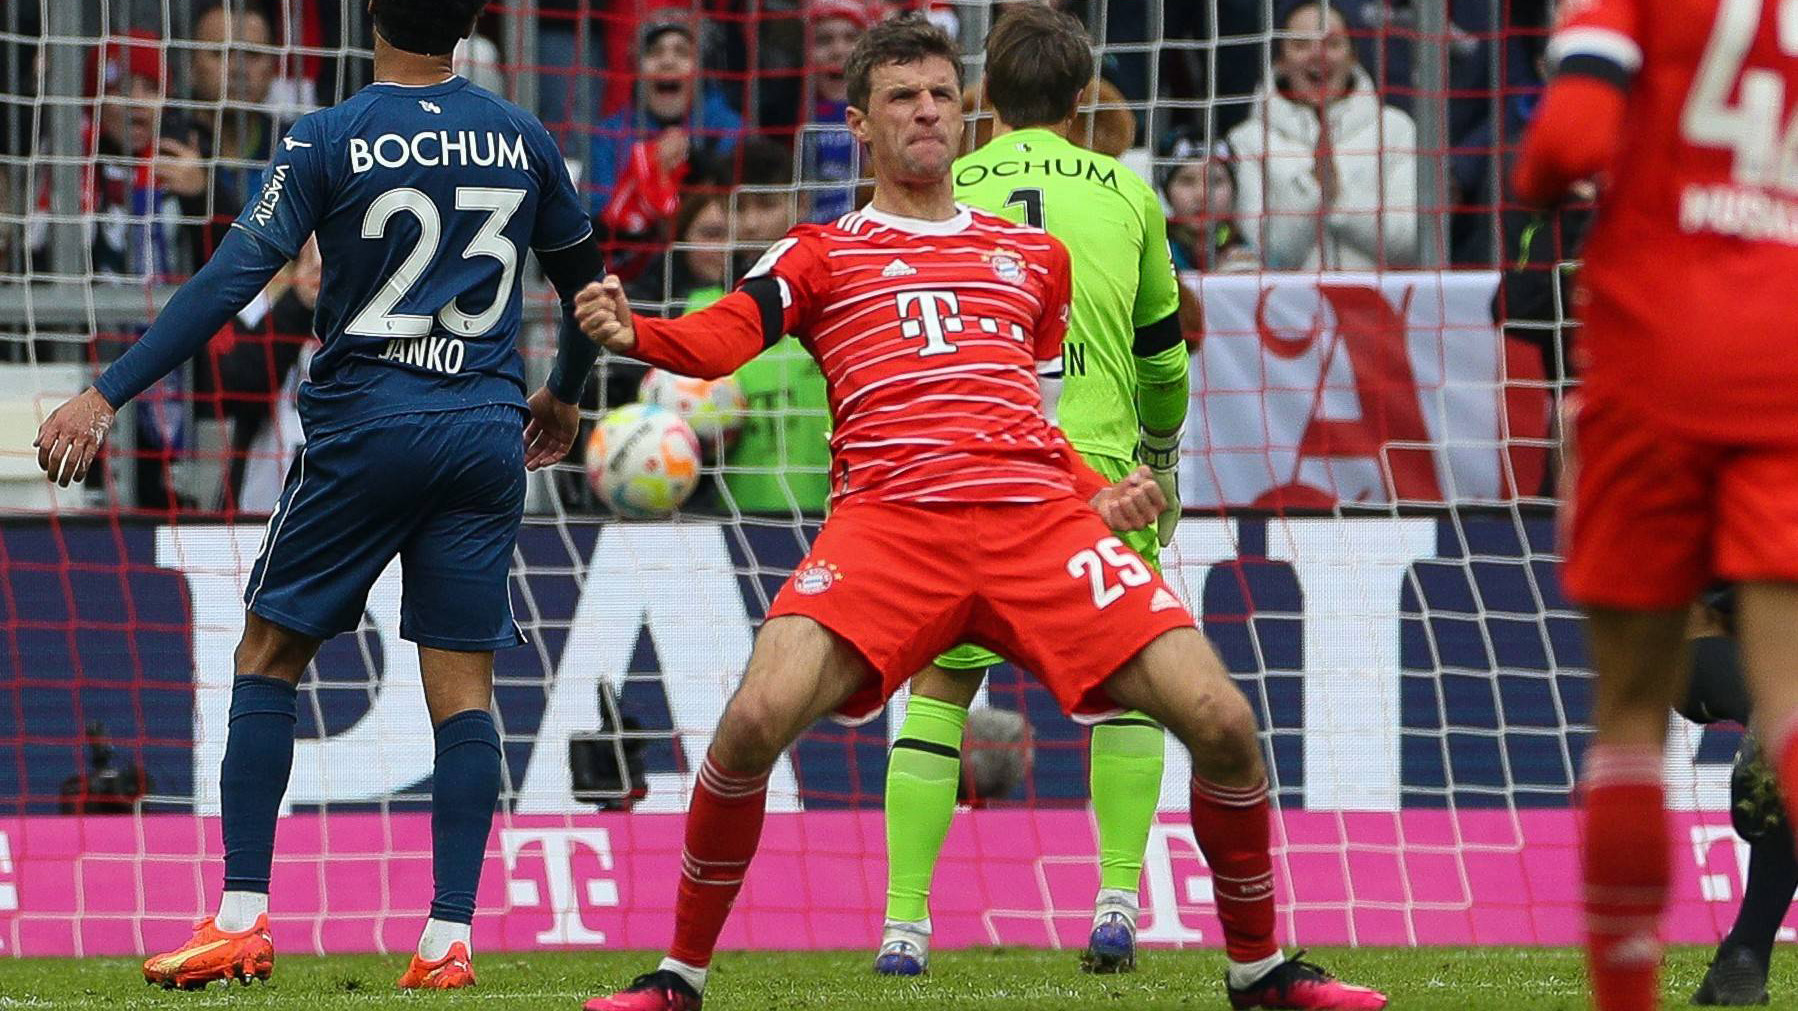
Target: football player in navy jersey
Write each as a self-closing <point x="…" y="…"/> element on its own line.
<point x="424" y="192"/>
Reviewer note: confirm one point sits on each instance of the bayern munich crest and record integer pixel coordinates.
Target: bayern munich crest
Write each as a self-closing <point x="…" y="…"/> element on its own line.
<point x="815" y="578"/>
<point x="1008" y="267"/>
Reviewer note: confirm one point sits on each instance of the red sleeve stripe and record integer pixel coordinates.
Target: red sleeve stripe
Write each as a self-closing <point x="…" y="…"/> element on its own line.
<point x="979" y="295"/>
<point x="873" y="357"/>
<point x="1025" y="386"/>
<point x="921" y="378"/>
<point x="960" y="413"/>
<point x="941" y="492"/>
<point x="1045" y="475"/>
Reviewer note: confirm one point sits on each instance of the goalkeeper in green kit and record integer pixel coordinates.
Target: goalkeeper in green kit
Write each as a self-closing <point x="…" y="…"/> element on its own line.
<point x="1123" y="400"/>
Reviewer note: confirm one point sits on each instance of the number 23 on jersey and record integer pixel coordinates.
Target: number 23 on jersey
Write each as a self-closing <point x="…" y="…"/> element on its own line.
<point x="377" y="318"/>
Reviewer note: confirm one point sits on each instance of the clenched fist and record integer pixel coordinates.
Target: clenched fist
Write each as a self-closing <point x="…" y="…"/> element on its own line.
<point x="1132" y="503"/>
<point x="604" y="314"/>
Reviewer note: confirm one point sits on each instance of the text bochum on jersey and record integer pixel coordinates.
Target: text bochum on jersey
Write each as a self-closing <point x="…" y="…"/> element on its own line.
<point x="424" y="201"/>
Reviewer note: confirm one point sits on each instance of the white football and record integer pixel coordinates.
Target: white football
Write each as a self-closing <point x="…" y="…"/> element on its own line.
<point x="642" y="461"/>
<point x="714" y="407"/>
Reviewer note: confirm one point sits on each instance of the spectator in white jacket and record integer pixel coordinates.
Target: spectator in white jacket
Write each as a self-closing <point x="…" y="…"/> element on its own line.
<point x="1326" y="174"/>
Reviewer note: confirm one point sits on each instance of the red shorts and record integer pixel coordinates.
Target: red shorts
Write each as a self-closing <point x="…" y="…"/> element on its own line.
<point x="1655" y="516"/>
<point x="1045" y="585"/>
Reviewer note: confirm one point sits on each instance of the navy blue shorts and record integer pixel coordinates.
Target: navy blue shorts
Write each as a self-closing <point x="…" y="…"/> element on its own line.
<point x="443" y="491"/>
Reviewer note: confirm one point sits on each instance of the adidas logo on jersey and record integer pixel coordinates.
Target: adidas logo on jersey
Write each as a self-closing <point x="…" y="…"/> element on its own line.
<point x="430" y="107"/>
<point x="1163" y="600"/>
<point x="899" y="268"/>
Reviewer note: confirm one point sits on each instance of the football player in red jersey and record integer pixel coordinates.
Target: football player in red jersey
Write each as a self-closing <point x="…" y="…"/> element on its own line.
<point x="959" y="514"/>
<point x="1686" y="430"/>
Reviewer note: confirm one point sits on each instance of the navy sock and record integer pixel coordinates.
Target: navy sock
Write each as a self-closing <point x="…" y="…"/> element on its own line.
<point x="1766" y="895"/>
<point x="258" y="760"/>
<point x="464" y="792"/>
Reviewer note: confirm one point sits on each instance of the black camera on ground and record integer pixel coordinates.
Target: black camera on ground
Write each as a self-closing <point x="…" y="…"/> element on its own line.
<point x="111" y="784"/>
<point x="606" y="767"/>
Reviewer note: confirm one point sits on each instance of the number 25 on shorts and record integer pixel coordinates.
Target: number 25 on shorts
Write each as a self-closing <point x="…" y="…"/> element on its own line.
<point x="1091" y="564"/>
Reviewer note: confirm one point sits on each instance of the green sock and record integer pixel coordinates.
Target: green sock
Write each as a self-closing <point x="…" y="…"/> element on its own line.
<point x="922" y="771"/>
<point x="1127" y="755"/>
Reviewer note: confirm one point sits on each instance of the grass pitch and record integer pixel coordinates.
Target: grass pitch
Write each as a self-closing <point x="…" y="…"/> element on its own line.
<point x="985" y="979"/>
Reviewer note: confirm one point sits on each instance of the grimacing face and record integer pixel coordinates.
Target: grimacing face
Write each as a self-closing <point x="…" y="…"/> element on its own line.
<point x="913" y="124"/>
<point x="223" y="70"/>
<point x="1317" y="61"/>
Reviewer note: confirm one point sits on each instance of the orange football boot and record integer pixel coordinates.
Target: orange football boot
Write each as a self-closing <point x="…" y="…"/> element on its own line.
<point x="451" y="972"/>
<point x="213" y="954"/>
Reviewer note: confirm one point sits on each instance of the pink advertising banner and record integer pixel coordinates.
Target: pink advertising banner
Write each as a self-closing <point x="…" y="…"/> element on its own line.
<point x="361" y="882"/>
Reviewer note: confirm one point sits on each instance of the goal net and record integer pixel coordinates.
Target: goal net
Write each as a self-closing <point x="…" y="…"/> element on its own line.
<point x="1368" y="475"/>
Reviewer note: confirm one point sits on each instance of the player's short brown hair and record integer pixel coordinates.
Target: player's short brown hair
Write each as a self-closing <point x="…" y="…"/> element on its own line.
<point x="1038" y="61"/>
<point x="902" y="40"/>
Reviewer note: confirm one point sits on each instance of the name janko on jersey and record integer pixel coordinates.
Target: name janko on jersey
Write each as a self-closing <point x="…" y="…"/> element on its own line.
<point x="438" y="354"/>
<point x="438" y="149"/>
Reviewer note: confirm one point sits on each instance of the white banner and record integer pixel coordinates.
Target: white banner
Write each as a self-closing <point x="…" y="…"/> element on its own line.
<point x="1313" y="389"/>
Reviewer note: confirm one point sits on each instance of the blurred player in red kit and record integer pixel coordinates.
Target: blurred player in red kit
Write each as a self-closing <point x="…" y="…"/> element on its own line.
<point x="1686" y="431"/>
<point x="959" y="514"/>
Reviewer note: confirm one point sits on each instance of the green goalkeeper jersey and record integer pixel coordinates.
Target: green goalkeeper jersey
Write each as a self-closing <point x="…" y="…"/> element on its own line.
<point x="1112" y="224"/>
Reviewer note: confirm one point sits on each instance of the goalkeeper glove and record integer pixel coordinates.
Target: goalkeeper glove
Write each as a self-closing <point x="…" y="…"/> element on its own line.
<point x="1161" y="453"/>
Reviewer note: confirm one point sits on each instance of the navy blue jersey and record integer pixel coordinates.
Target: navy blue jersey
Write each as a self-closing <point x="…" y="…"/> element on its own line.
<point x="424" y="201"/>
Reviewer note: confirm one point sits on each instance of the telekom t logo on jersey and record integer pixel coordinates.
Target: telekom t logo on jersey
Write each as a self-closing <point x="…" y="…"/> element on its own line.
<point x="933" y="315"/>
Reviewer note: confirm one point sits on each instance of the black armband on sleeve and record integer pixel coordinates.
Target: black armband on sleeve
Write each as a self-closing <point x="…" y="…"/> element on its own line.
<point x="571" y="269"/>
<point x="1158" y="336"/>
<point x="766" y="293"/>
<point x="1592" y="65"/>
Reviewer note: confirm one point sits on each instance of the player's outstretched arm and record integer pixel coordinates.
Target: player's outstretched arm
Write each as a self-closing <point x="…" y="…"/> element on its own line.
<point x="713" y="342"/>
<point x="71" y="436"/>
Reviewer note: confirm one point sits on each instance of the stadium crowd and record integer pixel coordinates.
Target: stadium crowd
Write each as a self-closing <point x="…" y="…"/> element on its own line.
<point x="702" y="129"/>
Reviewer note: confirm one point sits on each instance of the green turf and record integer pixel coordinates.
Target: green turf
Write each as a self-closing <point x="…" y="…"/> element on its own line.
<point x="990" y="980"/>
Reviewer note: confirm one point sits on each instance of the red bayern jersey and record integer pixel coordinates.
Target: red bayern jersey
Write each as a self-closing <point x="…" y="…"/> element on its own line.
<point x="1688" y="268"/>
<point x="931" y="336"/>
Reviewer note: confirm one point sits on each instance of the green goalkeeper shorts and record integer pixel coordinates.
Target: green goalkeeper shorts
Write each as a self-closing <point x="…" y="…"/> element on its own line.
<point x="971" y="657"/>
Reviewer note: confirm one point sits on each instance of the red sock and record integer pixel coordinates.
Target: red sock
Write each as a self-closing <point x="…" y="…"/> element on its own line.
<point x="1230" y="824"/>
<point x="724" y="823"/>
<point x="1627" y="866"/>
